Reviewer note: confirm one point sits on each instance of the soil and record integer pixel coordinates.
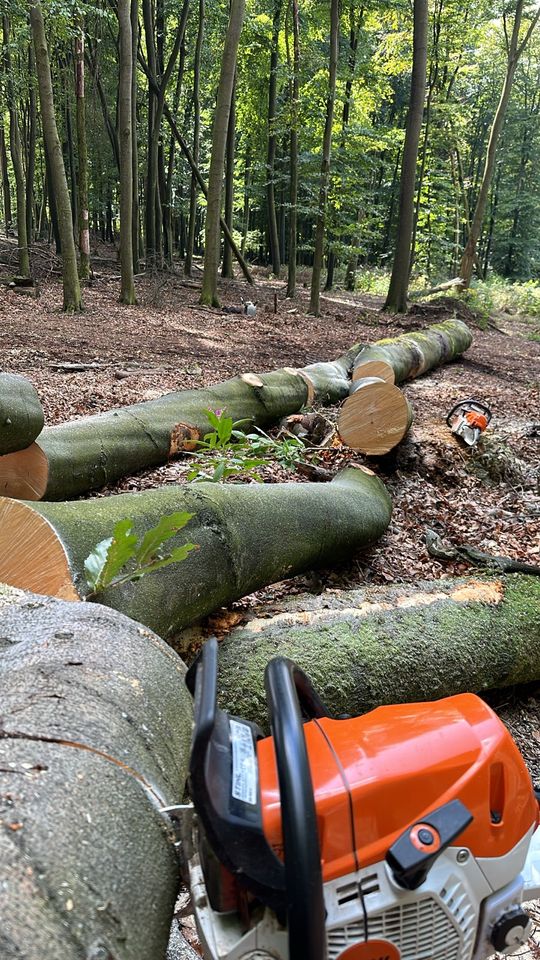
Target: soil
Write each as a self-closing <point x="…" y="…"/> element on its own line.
<point x="488" y="498"/>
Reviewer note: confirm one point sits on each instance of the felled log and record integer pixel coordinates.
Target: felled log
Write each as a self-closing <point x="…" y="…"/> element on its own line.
<point x="248" y="536"/>
<point x="375" y="417"/>
<point x="413" y="354"/>
<point x="86" y="454"/>
<point x="94" y="741"/>
<point x="21" y="413"/>
<point x="396" y="644"/>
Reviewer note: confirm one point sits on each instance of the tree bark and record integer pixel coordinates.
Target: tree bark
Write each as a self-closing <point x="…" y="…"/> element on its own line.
<point x="314" y="300"/>
<point x="514" y="50"/>
<point x="6" y="190"/>
<point x="271" y="148"/>
<point x="248" y="536"/>
<point x="16" y="158"/>
<point x="58" y="182"/>
<point x="136" y="239"/>
<point x="196" y="139"/>
<point x="92" y="700"/>
<point x="396" y="300"/>
<point x="125" y="137"/>
<point x="293" y="151"/>
<point x="21" y="413"/>
<point x="391" y="644"/>
<point x="31" y="151"/>
<point x="209" y="293"/>
<point x="227" y="265"/>
<point x="82" y="156"/>
<point x="412" y="354"/>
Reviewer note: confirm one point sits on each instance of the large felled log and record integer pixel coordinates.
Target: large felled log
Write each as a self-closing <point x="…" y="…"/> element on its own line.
<point x="86" y="454"/>
<point x="21" y="413"/>
<point x="94" y="741"/>
<point x="413" y="354"/>
<point x="395" y="644"/>
<point x="248" y="536"/>
<point x="375" y="417"/>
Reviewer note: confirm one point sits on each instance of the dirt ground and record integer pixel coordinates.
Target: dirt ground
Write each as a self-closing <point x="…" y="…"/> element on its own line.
<point x="489" y="499"/>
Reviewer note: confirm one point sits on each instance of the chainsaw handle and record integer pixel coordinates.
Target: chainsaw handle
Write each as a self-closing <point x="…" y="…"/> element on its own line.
<point x="286" y="687"/>
<point x="477" y="404"/>
<point x="201" y="681"/>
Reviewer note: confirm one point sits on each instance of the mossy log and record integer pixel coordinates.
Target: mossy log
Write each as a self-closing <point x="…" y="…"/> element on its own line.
<point x="375" y="417"/>
<point x="21" y="413"/>
<point x="248" y="536"/>
<point x="89" y="453"/>
<point x="94" y="740"/>
<point x="403" y="358"/>
<point x="398" y="644"/>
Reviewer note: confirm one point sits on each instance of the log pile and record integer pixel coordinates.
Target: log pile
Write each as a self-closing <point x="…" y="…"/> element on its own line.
<point x="395" y="644"/>
<point x="376" y="416"/>
<point x="94" y="740"/>
<point x="248" y="535"/>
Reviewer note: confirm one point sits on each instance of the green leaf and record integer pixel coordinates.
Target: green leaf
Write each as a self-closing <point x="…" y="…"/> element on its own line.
<point x="158" y="535"/>
<point x="175" y="556"/>
<point x="110" y="556"/>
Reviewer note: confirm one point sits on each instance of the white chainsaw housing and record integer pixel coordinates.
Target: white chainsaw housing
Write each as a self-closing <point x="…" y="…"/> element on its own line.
<point x="449" y="917"/>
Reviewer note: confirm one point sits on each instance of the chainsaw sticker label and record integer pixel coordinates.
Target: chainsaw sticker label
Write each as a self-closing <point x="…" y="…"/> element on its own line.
<point x="244" y="767"/>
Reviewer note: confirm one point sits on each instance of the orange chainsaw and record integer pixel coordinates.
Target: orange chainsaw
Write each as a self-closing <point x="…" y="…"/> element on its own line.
<point x="410" y="832"/>
<point x="468" y="419"/>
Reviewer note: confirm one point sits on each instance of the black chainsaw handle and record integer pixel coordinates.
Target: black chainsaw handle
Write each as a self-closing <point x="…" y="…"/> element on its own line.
<point x="479" y="406"/>
<point x="287" y="686"/>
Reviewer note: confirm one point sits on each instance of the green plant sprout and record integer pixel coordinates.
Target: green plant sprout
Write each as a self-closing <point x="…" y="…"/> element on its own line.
<point x="106" y="565"/>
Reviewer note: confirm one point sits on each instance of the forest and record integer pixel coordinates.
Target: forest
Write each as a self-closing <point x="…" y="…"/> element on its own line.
<point x="293" y="117"/>
<point x="269" y="479"/>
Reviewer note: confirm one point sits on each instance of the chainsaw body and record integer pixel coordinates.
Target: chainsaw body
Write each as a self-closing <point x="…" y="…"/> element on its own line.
<point x="409" y="832"/>
<point x="468" y="419"/>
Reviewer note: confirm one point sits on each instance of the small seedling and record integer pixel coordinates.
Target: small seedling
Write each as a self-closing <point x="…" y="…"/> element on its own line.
<point x="106" y="565"/>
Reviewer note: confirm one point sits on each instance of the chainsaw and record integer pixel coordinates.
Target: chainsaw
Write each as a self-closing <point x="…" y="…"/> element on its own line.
<point x="468" y="419"/>
<point x="410" y="832"/>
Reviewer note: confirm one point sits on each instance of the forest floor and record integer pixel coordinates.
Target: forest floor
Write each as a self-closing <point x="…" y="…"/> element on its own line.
<point x="489" y="499"/>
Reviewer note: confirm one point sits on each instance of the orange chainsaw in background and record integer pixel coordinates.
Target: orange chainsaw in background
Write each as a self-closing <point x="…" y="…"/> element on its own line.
<point x="409" y="833"/>
<point x="468" y="419"/>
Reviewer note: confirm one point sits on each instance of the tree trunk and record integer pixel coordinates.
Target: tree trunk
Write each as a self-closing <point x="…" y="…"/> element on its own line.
<point x="88" y="453"/>
<point x="325" y="165"/>
<point x="273" y="238"/>
<point x="21" y="413"/>
<point x="227" y="266"/>
<point x="6" y="190"/>
<point x="515" y="49"/>
<point x="248" y="536"/>
<point x="95" y="701"/>
<point x="136" y="239"/>
<point x="209" y="293"/>
<point x="31" y="154"/>
<point x="196" y="138"/>
<point x="58" y="182"/>
<point x="412" y="354"/>
<point x="82" y="156"/>
<point x="396" y="300"/>
<point x="293" y="150"/>
<point x="393" y="644"/>
<point x="125" y="117"/>
<point x="16" y="158"/>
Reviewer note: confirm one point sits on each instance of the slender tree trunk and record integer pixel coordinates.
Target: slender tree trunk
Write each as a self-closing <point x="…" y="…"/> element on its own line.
<point x="82" y="153"/>
<point x="136" y="239"/>
<point x="125" y="115"/>
<point x="16" y="157"/>
<point x="58" y="182"/>
<point x="293" y="147"/>
<point x="396" y="300"/>
<point x="6" y="193"/>
<point x="227" y="266"/>
<point x="209" y="293"/>
<point x="31" y="155"/>
<point x="515" y="49"/>
<point x="70" y="161"/>
<point x="247" y="184"/>
<point x="271" y="153"/>
<point x="325" y="165"/>
<point x="196" y="138"/>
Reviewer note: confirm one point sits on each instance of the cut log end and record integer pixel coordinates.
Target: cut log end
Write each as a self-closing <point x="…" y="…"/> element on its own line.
<point x="252" y="380"/>
<point x="374" y="368"/>
<point x="31" y="554"/>
<point x="375" y="418"/>
<point x="24" y="474"/>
